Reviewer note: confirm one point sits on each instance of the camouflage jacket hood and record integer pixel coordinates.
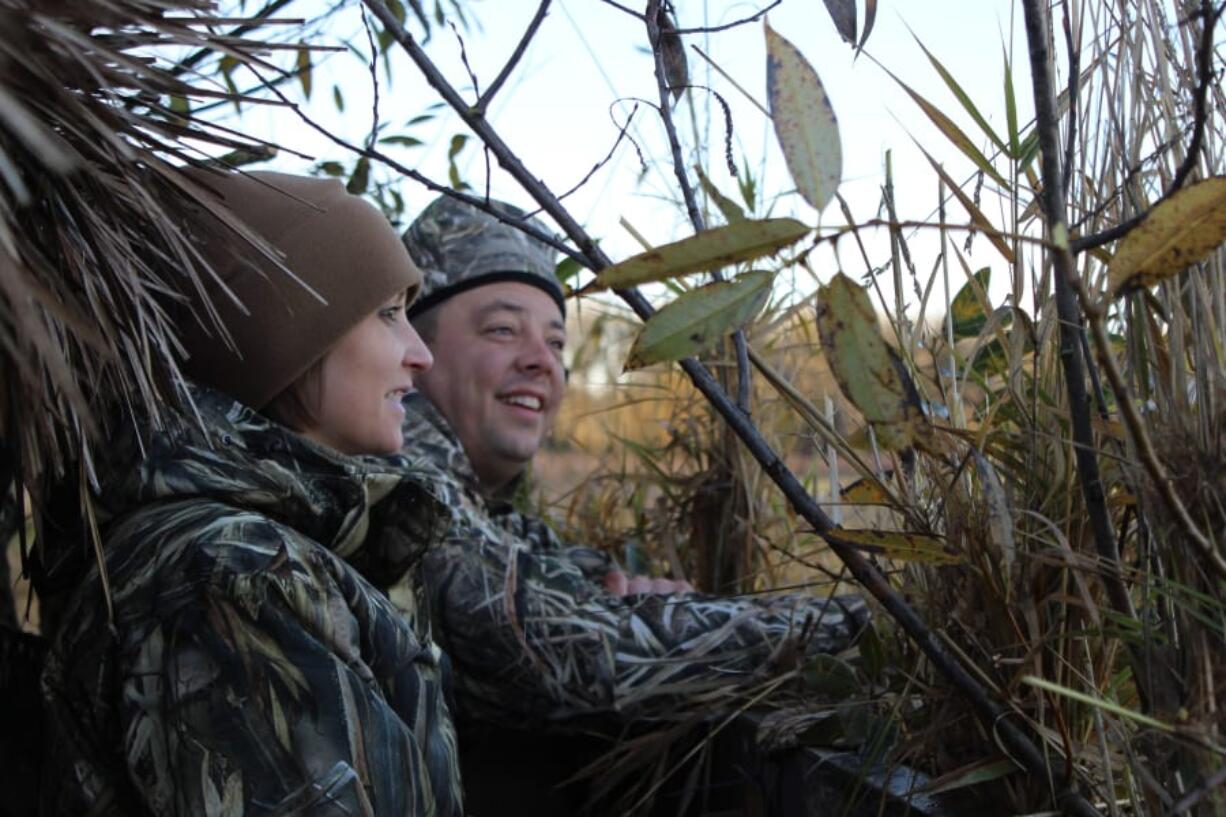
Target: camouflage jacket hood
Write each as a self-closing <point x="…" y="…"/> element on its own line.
<point x="537" y="641"/>
<point x="251" y="666"/>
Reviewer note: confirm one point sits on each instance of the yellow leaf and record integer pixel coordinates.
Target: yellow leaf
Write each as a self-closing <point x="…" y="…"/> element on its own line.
<point x="742" y="241"/>
<point x="804" y="121"/>
<point x="861" y="362"/>
<point x="900" y="546"/>
<point x="864" y="492"/>
<point x="1176" y="234"/>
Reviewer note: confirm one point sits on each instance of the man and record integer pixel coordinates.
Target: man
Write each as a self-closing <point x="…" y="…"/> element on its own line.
<point x="542" y="633"/>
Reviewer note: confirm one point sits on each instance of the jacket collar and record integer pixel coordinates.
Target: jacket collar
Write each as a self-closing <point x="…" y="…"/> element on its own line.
<point x="426" y="426"/>
<point x="376" y="512"/>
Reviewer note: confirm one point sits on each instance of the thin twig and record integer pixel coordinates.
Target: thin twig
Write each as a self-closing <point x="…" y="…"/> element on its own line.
<point x="483" y="102"/>
<point x="373" y="67"/>
<point x="757" y="15"/>
<point x="870" y="578"/>
<point x="621" y="134"/>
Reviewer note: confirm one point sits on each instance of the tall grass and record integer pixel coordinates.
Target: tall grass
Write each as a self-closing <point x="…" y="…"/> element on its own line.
<point x="1129" y="700"/>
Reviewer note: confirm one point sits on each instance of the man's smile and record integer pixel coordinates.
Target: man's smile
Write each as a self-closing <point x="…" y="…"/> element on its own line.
<point x="522" y="399"/>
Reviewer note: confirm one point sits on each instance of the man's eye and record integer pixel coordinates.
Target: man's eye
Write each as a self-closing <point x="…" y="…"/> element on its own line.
<point x="500" y="330"/>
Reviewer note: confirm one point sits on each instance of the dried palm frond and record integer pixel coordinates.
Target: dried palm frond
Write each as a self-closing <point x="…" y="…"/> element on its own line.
<point x="92" y="253"/>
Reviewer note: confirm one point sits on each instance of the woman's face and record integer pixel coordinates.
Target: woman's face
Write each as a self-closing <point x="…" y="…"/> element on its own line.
<point x="363" y="382"/>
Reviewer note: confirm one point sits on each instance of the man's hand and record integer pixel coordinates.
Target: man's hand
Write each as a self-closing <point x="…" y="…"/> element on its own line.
<point x="619" y="584"/>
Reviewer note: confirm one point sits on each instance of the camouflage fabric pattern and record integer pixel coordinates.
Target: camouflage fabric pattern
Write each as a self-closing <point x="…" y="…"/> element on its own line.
<point x="456" y="245"/>
<point x="252" y="668"/>
<point x="536" y="641"/>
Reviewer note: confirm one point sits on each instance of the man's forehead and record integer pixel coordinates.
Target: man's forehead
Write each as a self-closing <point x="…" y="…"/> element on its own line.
<point x="518" y="299"/>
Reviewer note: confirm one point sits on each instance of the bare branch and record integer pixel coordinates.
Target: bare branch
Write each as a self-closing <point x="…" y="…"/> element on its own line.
<point x="655" y="36"/>
<point x="1071" y="328"/>
<point x="483" y="102"/>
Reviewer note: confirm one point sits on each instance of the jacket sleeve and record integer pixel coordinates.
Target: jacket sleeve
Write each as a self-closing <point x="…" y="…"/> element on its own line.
<point x="534" y="641"/>
<point x="292" y="689"/>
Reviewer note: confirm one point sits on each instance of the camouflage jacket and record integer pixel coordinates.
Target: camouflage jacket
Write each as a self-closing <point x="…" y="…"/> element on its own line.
<point x="252" y="668"/>
<point x="537" y="641"/>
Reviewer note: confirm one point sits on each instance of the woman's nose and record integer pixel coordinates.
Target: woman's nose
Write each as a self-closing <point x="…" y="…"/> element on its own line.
<point x="417" y="355"/>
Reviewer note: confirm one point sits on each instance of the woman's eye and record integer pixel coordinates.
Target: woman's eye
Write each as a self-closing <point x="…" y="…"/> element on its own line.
<point x="393" y="312"/>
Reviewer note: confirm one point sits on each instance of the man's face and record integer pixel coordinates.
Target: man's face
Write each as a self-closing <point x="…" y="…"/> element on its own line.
<point x="498" y="377"/>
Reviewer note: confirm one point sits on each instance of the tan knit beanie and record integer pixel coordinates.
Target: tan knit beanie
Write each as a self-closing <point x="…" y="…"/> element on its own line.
<point x="338" y="245"/>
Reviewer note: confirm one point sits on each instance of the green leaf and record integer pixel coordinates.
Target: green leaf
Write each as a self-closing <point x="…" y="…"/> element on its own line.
<point x="804" y="121"/>
<point x="1029" y="149"/>
<point x="566" y="269"/>
<point x="180" y="105"/>
<point x="331" y="168"/>
<point x="699" y="319"/>
<point x="962" y="97"/>
<point x="954" y="134"/>
<point x="748" y="186"/>
<point x="1175" y="234"/>
<point x="338" y="98"/>
<point x="900" y="546"/>
<point x="969" y="309"/>
<point x="360" y="180"/>
<point x="453" y="170"/>
<point x="862" y="364"/>
<point x="304" y="71"/>
<point x="743" y="241"/>
<point x="731" y="211"/>
<point x="827" y="675"/>
<point x="403" y="141"/>
<point x="1011" y="112"/>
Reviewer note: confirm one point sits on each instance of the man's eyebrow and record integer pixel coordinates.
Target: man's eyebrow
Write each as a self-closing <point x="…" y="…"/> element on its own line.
<point x="500" y="306"/>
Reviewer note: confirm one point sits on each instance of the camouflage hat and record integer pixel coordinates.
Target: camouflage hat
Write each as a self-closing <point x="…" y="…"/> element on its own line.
<point x="459" y="247"/>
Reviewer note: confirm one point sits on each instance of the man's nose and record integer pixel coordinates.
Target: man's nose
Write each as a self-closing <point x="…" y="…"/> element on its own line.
<point x="536" y="355"/>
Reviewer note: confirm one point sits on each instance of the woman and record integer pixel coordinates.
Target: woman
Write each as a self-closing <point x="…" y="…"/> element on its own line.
<point x="249" y="666"/>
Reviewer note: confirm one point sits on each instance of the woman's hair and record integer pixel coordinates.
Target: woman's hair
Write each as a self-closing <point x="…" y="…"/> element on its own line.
<point x="297" y="405"/>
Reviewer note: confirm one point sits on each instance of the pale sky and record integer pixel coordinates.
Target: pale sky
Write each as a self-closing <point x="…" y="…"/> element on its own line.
<point x="555" y="111"/>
